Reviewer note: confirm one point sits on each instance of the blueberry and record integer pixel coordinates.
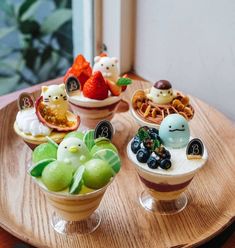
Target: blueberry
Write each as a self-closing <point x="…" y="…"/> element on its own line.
<point x="165" y="164"/>
<point x="159" y="139"/>
<point x="153" y="135"/>
<point x="152" y="162"/>
<point x="136" y="138"/>
<point x="135" y="146"/>
<point x="154" y="130"/>
<point x="142" y="155"/>
<point x="166" y="154"/>
<point x="159" y="159"/>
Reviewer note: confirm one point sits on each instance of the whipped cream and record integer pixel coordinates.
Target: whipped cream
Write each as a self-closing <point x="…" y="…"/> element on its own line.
<point x="27" y="121"/>
<point x="179" y="163"/>
<point x="83" y="101"/>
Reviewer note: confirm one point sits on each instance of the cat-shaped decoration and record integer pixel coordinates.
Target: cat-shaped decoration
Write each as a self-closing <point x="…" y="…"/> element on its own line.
<point x="52" y="109"/>
<point x="55" y="98"/>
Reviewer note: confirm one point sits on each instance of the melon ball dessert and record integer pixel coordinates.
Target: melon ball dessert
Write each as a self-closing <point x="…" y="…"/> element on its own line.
<point x="75" y="174"/>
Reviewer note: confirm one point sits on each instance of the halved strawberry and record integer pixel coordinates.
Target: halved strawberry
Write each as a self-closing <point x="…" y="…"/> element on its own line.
<point x="115" y="89"/>
<point x="95" y="87"/>
<point x="124" y="87"/>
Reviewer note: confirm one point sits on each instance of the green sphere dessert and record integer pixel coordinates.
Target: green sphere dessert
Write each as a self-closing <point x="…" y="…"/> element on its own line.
<point x="97" y="173"/>
<point x="44" y="151"/>
<point x="57" y="176"/>
<point x="103" y="143"/>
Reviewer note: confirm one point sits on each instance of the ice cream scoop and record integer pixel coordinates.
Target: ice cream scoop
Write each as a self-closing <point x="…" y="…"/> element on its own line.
<point x="161" y="92"/>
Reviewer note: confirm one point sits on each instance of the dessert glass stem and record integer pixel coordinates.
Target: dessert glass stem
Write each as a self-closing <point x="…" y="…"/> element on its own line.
<point x="85" y="226"/>
<point x="166" y="207"/>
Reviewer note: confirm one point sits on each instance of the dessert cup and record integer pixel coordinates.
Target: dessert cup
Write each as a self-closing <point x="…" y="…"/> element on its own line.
<point x="93" y="111"/>
<point x="34" y="141"/>
<point x="49" y="116"/>
<point x="164" y="190"/>
<point x="74" y="214"/>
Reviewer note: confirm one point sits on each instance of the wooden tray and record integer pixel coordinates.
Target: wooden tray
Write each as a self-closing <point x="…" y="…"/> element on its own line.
<point x="211" y="207"/>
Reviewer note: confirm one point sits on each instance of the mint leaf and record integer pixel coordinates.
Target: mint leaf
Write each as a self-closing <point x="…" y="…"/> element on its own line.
<point x="157" y="144"/>
<point x="142" y="134"/>
<point x="124" y="81"/>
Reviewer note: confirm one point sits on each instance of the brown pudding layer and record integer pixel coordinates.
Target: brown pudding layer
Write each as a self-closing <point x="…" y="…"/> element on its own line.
<point x="162" y="187"/>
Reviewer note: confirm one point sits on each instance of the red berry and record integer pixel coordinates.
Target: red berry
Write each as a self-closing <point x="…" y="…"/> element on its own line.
<point x="95" y="87"/>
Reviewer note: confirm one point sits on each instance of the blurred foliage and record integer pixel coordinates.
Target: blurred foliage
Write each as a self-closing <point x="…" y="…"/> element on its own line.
<point x="41" y="47"/>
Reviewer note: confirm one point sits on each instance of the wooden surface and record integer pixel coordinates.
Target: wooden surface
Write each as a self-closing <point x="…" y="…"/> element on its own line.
<point x="211" y="208"/>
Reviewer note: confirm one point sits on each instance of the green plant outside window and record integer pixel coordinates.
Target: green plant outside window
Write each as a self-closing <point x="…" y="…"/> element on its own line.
<point x="35" y="42"/>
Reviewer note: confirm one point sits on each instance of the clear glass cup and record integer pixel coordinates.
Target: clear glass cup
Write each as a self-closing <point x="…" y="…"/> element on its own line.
<point x="74" y="214"/>
<point x="164" y="194"/>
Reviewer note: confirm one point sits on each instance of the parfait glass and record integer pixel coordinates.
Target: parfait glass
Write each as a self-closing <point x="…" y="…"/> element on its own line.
<point x="163" y="193"/>
<point x="74" y="214"/>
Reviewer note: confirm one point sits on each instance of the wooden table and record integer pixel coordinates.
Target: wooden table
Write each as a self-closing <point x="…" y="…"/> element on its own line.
<point x="225" y="239"/>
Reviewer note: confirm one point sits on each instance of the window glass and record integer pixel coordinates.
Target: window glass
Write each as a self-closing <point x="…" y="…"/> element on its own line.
<point x="35" y="42"/>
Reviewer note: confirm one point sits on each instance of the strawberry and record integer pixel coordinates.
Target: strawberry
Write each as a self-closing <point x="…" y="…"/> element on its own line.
<point x="95" y="87"/>
<point x="80" y="69"/>
<point x="124" y="87"/>
<point x="115" y="89"/>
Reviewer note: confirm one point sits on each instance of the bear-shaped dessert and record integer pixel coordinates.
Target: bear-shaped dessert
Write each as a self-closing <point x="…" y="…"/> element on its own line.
<point x="107" y="66"/>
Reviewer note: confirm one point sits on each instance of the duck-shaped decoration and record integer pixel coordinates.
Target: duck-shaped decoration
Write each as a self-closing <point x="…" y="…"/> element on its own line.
<point x="74" y="151"/>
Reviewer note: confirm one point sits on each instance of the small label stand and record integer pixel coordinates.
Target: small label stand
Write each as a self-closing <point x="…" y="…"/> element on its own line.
<point x="72" y="86"/>
<point x="25" y="101"/>
<point x="195" y="149"/>
<point x="104" y="129"/>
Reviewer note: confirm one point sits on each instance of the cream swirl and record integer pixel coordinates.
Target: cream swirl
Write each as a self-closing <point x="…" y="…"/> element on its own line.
<point x="27" y="121"/>
<point x="180" y="164"/>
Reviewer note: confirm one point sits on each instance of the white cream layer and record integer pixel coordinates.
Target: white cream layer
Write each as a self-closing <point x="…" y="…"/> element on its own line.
<point x="27" y="121"/>
<point x="83" y="101"/>
<point x="180" y="164"/>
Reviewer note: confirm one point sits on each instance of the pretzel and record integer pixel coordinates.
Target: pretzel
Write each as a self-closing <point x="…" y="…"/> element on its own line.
<point x="155" y="113"/>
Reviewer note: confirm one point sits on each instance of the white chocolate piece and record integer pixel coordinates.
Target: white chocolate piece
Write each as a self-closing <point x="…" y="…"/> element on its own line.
<point x="107" y="66"/>
<point x="55" y="97"/>
<point x="76" y="156"/>
<point x="160" y="96"/>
